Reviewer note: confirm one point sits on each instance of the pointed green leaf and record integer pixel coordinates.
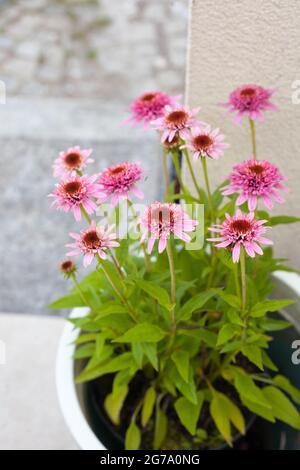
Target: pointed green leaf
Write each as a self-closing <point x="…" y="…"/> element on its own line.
<point x="189" y="413"/>
<point x="142" y="332"/>
<point x="226" y="333"/>
<point x="283" y="383"/>
<point x="133" y="437"/>
<point x="253" y="353"/>
<point x="282" y="408"/>
<point x="114" y="401"/>
<point x="269" y="306"/>
<point x="195" y="303"/>
<point x="160" y="431"/>
<point x="156" y="292"/>
<point x="148" y="405"/>
<point x="181" y="360"/>
<point x="219" y="415"/>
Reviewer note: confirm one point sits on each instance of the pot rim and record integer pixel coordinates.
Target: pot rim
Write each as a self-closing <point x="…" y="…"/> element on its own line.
<point x="68" y="397"/>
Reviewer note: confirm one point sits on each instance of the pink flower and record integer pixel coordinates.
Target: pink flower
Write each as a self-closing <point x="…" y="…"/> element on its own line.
<point x="92" y="241"/>
<point x="119" y="180"/>
<point x="177" y="120"/>
<point x="72" y="160"/>
<point x="255" y="179"/>
<point x="241" y="230"/>
<point x="76" y="191"/>
<point x="150" y="106"/>
<point x="164" y="219"/>
<point x="206" y="142"/>
<point x="251" y="101"/>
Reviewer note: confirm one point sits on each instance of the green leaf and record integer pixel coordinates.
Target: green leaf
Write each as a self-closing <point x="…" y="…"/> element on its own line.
<point x="234" y="317"/>
<point x="133" y="437"/>
<point x="249" y="391"/>
<point x="114" y="401"/>
<point x="230" y="299"/>
<point x="123" y="361"/>
<point x="142" y="332"/>
<point x="253" y="353"/>
<point x="234" y="414"/>
<point x="195" y="303"/>
<point x="187" y="389"/>
<point x="181" y="360"/>
<point x="138" y="353"/>
<point x="150" y="350"/>
<point x="269" y="306"/>
<point x="156" y="292"/>
<point x="219" y="415"/>
<point x="110" y="308"/>
<point x="86" y="338"/>
<point x="283" y="219"/>
<point x="283" y="383"/>
<point x="226" y="333"/>
<point x="68" y="301"/>
<point x="282" y="408"/>
<point x="268" y="362"/>
<point x="148" y="405"/>
<point x="189" y="413"/>
<point x="87" y="350"/>
<point x="206" y="336"/>
<point x="160" y="430"/>
<point x="272" y="324"/>
<point x="258" y="410"/>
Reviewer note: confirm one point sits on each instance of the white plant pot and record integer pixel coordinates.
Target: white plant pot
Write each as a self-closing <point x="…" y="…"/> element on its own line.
<point x="70" y="395"/>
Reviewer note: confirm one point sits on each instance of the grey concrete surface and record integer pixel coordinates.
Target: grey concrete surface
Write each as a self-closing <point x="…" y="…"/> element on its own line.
<point x="30" y="418"/>
<point x="71" y="68"/>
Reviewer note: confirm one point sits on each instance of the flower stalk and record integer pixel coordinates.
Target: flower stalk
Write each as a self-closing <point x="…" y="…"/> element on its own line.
<point x="253" y="138"/>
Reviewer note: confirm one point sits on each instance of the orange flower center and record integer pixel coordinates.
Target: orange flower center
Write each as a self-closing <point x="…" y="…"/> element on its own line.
<point x="67" y="266"/>
<point x="148" y="97"/>
<point x="257" y="169"/>
<point x="248" y="92"/>
<point x="73" y="160"/>
<point x="177" y="117"/>
<point x="117" y="170"/>
<point x="242" y="226"/>
<point x="91" y="239"/>
<point x="72" y="188"/>
<point x="202" y="141"/>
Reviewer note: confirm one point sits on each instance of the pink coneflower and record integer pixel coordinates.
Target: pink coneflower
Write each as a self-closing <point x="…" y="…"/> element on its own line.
<point x="163" y="219"/>
<point x="72" y="160"/>
<point x="255" y="179"/>
<point x="250" y="101"/>
<point x="76" y="191"/>
<point x="206" y="142"/>
<point x="120" y="180"/>
<point x="68" y="268"/>
<point x="241" y="230"/>
<point x="150" y="106"/>
<point x="177" y="120"/>
<point x="92" y="241"/>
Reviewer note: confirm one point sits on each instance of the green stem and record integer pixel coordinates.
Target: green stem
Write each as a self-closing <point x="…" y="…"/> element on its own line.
<point x="207" y="185"/>
<point x="243" y="280"/>
<point x="147" y="257"/>
<point x="175" y="157"/>
<point x="192" y="173"/>
<point x="253" y="140"/>
<point x="237" y="281"/>
<point x="116" y="290"/>
<point x="173" y="283"/>
<point x="80" y="292"/>
<point x="166" y="175"/>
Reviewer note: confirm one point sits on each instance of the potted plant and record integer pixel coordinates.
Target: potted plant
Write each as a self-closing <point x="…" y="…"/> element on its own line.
<point x="173" y="347"/>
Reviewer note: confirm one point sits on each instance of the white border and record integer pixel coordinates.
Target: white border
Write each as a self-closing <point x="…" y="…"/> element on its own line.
<point x="66" y="389"/>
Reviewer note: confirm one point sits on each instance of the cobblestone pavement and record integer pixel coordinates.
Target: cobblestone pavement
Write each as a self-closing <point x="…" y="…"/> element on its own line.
<point x="91" y="48"/>
<point x="71" y="67"/>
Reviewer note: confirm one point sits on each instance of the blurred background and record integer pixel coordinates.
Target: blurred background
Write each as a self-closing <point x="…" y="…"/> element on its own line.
<point x="71" y="69"/>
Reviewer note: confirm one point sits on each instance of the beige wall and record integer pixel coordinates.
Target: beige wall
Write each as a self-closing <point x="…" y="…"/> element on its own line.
<point x="258" y="41"/>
